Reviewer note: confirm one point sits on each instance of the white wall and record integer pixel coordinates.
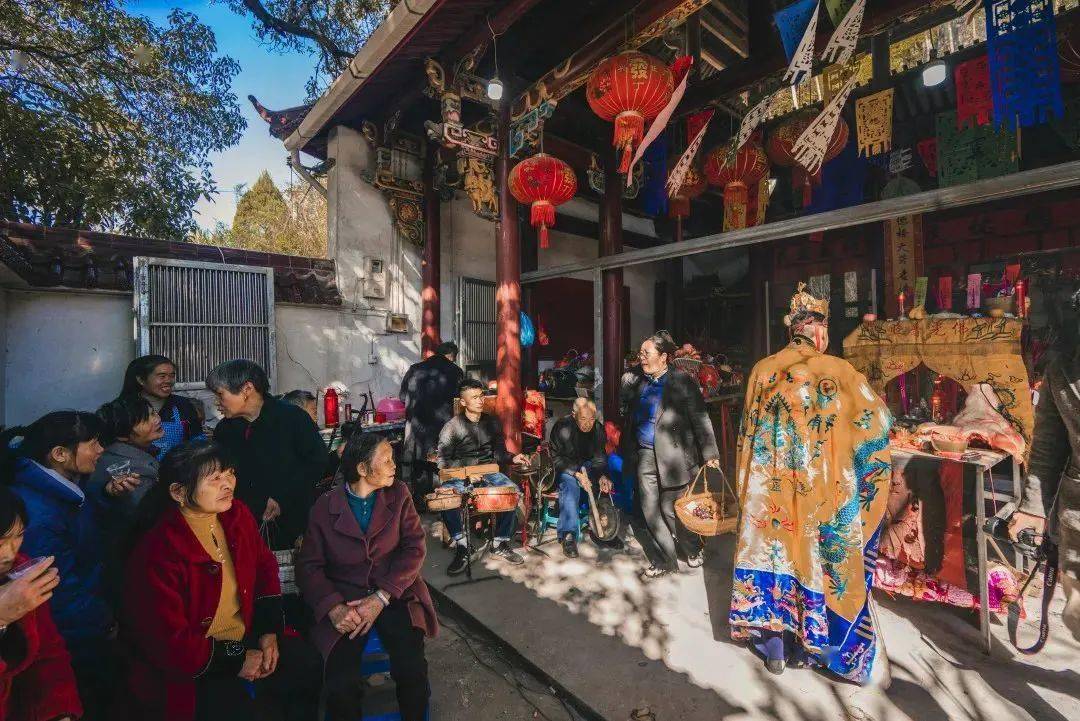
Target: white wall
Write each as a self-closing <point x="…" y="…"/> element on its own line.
<point x="63" y="350"/>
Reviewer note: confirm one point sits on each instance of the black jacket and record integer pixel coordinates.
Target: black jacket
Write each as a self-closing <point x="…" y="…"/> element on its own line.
<point x="684" y="433"/>
<point x="281" y="456"/>
<point x="428" y="391"/>
<point x="464" y="443"/>
<point x="571" y="449"/>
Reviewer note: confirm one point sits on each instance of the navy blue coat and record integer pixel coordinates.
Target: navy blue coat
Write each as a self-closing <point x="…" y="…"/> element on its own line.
<point x="65" y="526"/>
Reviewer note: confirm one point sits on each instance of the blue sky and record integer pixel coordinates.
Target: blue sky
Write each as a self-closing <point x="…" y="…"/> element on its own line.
<point x="276" y="80"/>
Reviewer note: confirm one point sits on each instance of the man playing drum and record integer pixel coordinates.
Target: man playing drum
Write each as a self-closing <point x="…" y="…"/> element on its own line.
<point x="473" y="438"/>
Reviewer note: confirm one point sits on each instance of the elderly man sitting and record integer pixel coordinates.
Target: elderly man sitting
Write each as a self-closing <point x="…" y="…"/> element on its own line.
<point x="577" y="449"/>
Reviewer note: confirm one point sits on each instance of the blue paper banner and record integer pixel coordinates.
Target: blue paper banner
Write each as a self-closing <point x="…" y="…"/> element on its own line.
<point x="1025" y="76"/>
<point x="654" y="198"/>
<point x="842" y="181"/>
<point x="791" y="22"/>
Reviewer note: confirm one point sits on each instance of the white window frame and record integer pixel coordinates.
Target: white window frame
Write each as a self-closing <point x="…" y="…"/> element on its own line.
<point x="188" y="291"/>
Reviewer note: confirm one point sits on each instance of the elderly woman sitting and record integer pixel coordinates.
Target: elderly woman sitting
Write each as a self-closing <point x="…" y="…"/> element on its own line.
<point x="203" y="605"/>
<point x="359" y="568"/>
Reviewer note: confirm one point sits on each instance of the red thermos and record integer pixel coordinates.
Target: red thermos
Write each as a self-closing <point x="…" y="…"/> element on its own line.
<point x="330" y="407"/>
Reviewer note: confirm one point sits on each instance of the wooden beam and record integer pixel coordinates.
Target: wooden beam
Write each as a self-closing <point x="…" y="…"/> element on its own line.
<point x="572" y="73"/>
<point x="479" y="37"/>
<point x="738" y="41"/>
<point x="761" y="64"/>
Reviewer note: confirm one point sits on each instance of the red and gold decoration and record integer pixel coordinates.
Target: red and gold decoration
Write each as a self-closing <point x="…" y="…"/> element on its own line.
<point x="693" y="185"/>
<point x="543" y="181"/>
<point x="780" y="148"/>
<point x="736" y="174"/>
<point x="629" y="89"/>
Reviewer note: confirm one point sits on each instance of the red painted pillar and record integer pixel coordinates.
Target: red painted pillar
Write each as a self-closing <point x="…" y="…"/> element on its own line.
<point x="509" y="403"/>
<point x="431" y="262"/>
<point x="611" y="242"/>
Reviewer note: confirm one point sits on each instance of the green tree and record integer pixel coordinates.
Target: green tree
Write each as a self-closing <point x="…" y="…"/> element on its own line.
<point x="331" y="31"/>
<point x="293" y="222"/>
<point x="106" y="119"/>
<point x="261" y="215"/>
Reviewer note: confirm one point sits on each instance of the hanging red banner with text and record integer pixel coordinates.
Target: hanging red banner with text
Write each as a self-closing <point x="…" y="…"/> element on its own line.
<point x="974" y="101"/>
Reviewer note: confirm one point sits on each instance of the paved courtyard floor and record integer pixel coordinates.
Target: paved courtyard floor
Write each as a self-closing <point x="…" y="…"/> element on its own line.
<point x="619" y="643"/>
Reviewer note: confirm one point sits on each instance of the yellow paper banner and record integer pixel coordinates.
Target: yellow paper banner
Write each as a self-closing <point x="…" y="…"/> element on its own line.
<point x="873" y="119"/>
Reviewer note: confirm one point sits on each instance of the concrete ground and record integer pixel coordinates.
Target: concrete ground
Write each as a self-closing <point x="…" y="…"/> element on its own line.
<point x="620" y="644"/>
<point x="471" y="679"/>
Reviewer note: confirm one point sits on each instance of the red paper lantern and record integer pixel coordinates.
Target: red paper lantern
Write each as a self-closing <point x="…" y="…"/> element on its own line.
<point x="543" y="181"/>
<point x="748" y="167"/>
<point x="630" y="89"/>
<point x="694" y="184"/>
<point x="781" y="144"/>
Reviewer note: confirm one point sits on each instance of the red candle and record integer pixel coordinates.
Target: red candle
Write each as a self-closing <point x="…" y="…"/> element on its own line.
<point x="1021" y="298"/>
<point x="900" y="302"/>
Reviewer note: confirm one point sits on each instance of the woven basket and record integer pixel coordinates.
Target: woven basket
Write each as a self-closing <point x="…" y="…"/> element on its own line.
<point x="443" y="499"/>
<point x="707" y="513"/>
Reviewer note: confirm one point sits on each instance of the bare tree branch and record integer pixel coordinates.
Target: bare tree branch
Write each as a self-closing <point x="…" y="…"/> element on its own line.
<point x="284" y="27"/>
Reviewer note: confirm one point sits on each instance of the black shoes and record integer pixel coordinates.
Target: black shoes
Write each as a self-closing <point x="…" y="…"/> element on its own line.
<point x="696" y="560"/>
<point x="503" y="551"/>
<point x="460" y="562"/>
<point x="569" y="546"/>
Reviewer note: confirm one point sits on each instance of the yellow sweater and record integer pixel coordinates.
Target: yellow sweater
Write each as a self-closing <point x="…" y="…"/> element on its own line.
<point x="227" y="624"/>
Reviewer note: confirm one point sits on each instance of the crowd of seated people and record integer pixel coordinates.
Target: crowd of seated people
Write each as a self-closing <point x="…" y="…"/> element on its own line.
<point x="137" y="577"/>
<point x="139" y="574"/>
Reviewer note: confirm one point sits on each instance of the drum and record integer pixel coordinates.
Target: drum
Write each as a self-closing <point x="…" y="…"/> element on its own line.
<point x="497" y="499"/>
<point x="443" y="499"/>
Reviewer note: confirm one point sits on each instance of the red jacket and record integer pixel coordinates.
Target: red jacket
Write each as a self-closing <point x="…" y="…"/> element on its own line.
<point x="36" y="681"/>
<point x="338" y="562"/>
<point x="172" y="590"/>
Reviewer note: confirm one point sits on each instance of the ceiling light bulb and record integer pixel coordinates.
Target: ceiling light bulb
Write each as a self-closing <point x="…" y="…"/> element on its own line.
<point x="934" y="74"/>
<point x="495" y="89"/>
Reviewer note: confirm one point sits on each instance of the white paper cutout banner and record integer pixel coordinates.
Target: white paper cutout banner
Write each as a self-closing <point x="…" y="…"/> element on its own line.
<point x="842" y="44"/>
<point x="751" y="120"/>
<point x="678" y="173"/>
<point x="809" y="149"/>
<point x="802" y="62"/>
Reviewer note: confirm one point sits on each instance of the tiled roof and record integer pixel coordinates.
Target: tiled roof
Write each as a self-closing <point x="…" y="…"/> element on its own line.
<point x="64" y="257"/>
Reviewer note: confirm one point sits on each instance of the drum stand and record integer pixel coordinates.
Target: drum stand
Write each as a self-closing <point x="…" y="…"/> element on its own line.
<point x="466" y="523"/>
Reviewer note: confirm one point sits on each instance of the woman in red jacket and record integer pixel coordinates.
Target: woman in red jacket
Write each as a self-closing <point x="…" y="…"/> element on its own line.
<point x="203" y="605"/>
<point x="359" y="568"/>
<point x="36" y="680"/>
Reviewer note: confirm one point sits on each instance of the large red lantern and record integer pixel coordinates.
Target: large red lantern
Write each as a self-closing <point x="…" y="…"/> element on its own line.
<point x="544" y="181"/>
<point x="781" y="144"/>
<point x="694" y="184"/>
<point x="630" y="89"/>
<point x="736" y="175"/>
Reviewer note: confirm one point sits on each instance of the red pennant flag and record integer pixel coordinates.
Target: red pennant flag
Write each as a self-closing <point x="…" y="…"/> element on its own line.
<point x="974" y="101"/>
<point x="928" y="152"/>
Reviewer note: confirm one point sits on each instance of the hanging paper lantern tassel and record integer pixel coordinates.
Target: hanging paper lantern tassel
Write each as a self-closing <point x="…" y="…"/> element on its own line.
<point x="736" y="200"/>
<point x="629" y="130"/>
<point x="542" y="217"/>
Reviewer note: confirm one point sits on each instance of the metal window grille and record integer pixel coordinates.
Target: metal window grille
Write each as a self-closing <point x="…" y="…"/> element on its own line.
<point x="476" y="307"/>
<point x="202" y="314"/>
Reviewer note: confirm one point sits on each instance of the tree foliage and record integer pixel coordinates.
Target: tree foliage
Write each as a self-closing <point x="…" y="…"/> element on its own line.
<point x="333" y="30"/>
<point x="106" y="119"/>
<point x="292" y="222"/>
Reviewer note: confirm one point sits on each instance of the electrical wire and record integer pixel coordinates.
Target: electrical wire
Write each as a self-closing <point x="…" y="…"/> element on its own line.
<point x="516" y="683"/>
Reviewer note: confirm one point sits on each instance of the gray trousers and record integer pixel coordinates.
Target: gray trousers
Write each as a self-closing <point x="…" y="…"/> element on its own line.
<point x="658" y="510"/>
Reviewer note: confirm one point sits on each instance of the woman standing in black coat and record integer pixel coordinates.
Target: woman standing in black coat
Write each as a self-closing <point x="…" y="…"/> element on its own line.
<point x="667" y="436"/>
